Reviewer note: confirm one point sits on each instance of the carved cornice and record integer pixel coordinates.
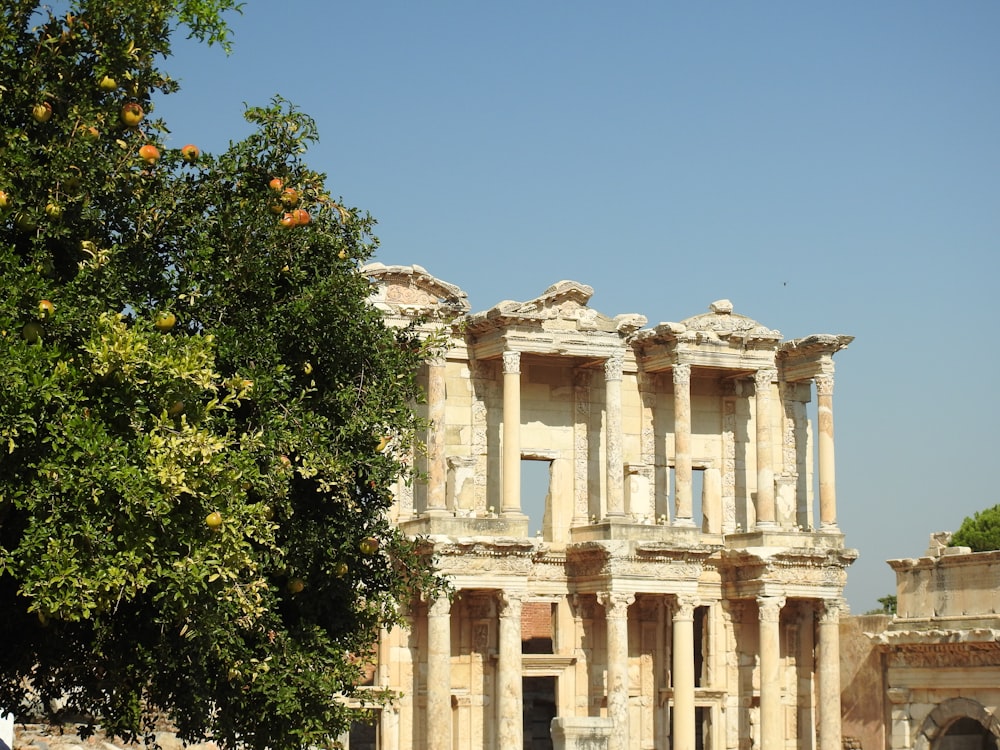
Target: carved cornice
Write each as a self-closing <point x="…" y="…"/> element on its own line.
<point x="799" y="567"/>
<point x="650" y="560"/>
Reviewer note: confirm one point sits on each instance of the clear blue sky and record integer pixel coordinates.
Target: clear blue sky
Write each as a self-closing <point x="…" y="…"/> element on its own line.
<point x="829" y="167"/>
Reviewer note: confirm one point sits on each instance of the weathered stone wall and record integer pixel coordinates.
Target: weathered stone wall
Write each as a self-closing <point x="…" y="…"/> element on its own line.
<point x="47" y="737"/>
<point x="863" y="686"/>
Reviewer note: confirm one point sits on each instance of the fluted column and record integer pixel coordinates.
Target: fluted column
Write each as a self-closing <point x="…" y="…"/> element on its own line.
<point x="827" y="481"/>
<point x="616" y="604"/>
<point x="613" y="404"/>
<point x="682" y="446"/>
<point x="510" y="722"/>
<point x="439" y="674"/>
<point x="771" y="725"/>
<point x="511" y="500"/>
<point x="765" y="458"/>
<point x="437" y="474"/>
<point x="683" y="731"/>
<point x="828" y="669"/>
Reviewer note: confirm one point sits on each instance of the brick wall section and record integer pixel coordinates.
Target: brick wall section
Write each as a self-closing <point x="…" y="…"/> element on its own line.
<point x="536" y="620"/>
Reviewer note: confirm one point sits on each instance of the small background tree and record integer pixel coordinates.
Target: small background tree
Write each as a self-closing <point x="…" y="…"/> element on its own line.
<point x="194" y="401"/>
<point x="980" y="532"/>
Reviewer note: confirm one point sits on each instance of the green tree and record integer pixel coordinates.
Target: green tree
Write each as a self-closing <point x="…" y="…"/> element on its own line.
<point x="981" y="531"/>
<point x="888" y="606"/>
<point x="193" y="486"/>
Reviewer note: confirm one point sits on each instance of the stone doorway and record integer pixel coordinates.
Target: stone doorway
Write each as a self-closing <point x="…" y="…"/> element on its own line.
<point x="539" y="700"/>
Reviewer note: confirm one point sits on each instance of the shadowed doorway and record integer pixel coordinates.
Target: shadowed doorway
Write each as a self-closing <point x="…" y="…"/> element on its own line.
<point x="539" y="710"/>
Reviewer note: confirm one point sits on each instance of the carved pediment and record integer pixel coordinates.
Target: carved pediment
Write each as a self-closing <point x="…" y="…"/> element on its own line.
<point x="720" y="324"/>
<point x="412" y="291"/>
<point x="564" y="301"/>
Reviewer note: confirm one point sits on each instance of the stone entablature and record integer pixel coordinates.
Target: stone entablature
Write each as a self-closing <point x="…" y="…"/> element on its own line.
<point x="692" y="571"/>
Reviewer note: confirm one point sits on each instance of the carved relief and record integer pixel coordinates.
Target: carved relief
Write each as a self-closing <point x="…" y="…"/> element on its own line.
<point x="480" y="637"/>
<point x="945" y="655"/>
<point x="729" y="465"/>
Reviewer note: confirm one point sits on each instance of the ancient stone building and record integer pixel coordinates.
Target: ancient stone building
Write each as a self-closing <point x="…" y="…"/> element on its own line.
<point x="679" y="586"/>
<point x="931" y="677"/>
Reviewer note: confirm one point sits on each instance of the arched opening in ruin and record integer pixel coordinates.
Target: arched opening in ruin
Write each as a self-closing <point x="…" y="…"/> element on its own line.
<point x="965" y="734"/>
<point x="959" y="724"/>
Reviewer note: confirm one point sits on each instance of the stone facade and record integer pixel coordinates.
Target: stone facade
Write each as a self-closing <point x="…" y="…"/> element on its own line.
<point x="684" y="586"/>
<point x="931" y="676"/>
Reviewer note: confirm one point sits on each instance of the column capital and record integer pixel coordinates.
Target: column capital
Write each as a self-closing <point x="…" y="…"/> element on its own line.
<point x="684" y="606"/>
<point x="511" y="362"/>
<point x="682" y="374"/>
<point x="613" y="366"/>
<point x="615" y="603"/>
<point x="824" y="384"/>
<point x="438" y="606"/>
<point x="829" y="610"/>
<point x="510" y="603"/>
<point x="763" y="377"/>
<point x="769" y="608"/>
<point x="437" y="360"/>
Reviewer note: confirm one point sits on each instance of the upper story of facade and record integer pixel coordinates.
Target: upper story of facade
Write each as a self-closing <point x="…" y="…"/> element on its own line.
<point x="680" y="435"/>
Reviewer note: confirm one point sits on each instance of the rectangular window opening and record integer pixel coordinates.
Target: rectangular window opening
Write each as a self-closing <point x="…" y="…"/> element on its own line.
<point x="537" y="631"/>
<point x="535" y="477"/>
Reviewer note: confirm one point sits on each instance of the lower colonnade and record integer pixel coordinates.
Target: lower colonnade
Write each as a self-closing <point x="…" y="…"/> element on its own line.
<point x="675" y="671"/>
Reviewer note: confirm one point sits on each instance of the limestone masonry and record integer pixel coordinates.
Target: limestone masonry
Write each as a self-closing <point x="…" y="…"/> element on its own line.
<point x="678" y="582"/>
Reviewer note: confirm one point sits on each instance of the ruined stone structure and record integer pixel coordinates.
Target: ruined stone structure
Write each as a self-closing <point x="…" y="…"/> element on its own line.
<point x="933" y="674"/>
<point x="682" y="586"/>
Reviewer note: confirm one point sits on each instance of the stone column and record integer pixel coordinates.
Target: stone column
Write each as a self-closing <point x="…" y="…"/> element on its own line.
<point x="439" y="674"/>
<point x="616" y="604"/>
<point x="582" y="509"/>
<point x="615" y="480"/>
<point x="510" y="708"/>
<point x="437" y="475"/>
<point x="828" y="675"/>
<point x="827" y="482"/>
<point x="511" y="501"/>
<point x="771" y="725"/>
<point x="683" y="732"/>
<point x="682" y="446"/>
<point x="765" y="459"/>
